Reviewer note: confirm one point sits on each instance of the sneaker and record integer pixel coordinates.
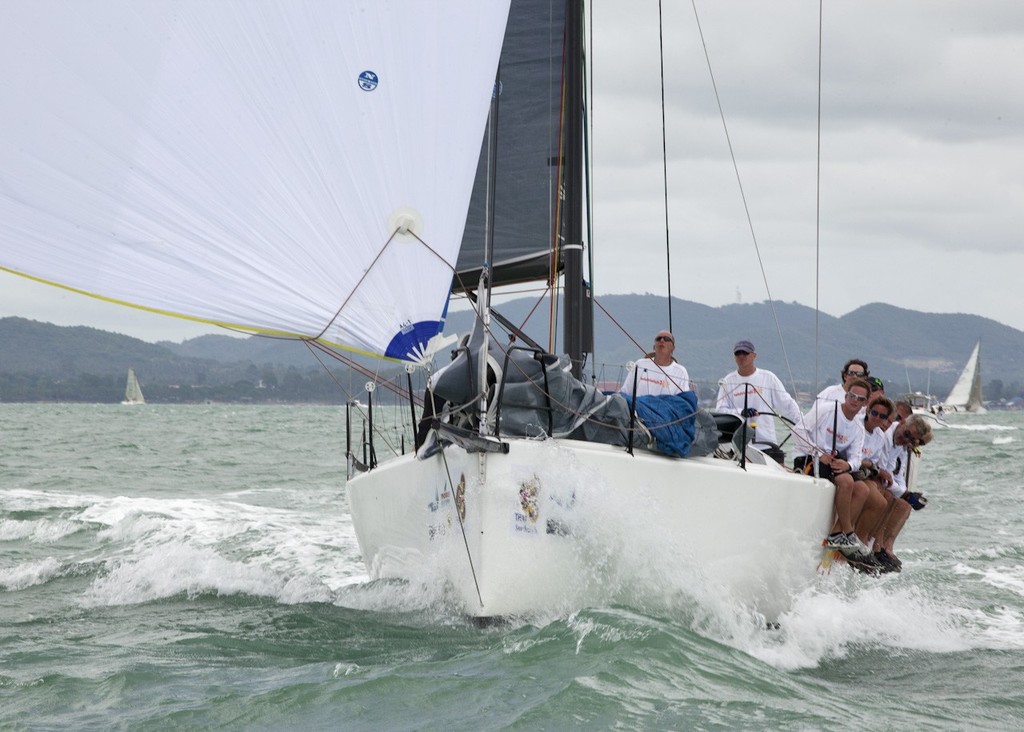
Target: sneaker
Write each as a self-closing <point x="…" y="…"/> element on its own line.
<point x="865" y="564"/>
<point x="854" y="547"/>
<point x="837" y="540"/>
<point x="888" y="561"/>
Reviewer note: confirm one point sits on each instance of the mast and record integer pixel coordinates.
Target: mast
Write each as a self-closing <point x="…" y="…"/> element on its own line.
<point x="573" y="305"/>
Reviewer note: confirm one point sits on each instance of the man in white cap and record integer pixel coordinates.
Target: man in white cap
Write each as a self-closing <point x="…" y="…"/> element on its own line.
<point x="756" y="395"/>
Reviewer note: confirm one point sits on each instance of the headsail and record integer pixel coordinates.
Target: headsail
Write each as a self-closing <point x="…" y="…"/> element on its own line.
<point x="132" y="390"/>
<point x="247" y="162"/>
<point x="966" y="393"/>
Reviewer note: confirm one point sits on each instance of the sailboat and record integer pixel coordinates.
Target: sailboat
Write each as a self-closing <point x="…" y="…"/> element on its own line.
<point x="333" y="173"/>
<point x="132" y="390"/>
<point x="925" y="404"/>
<point x="966" y="393"/>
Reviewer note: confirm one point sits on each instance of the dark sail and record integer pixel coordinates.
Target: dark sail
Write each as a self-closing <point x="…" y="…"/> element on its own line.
<point x="526" y="180"/>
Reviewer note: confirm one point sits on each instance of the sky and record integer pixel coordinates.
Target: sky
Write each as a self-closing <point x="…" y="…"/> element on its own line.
<point x="921" y="181"/>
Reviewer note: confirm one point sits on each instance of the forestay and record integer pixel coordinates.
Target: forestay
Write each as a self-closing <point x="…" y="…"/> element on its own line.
<point x="246" y="162"/>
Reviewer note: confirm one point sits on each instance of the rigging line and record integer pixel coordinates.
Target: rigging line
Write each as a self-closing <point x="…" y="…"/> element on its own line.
<point x="355" y="366"/>
<point x="664" y="164"/>
<point x="462" y="526"/>
<point x="540" y="299"/>
<point x="619" y="325"/>
<point x="379" y="430"/>
<point x="743" y="198"/>
<point x="565" y="406"/>
<point x="367" y="271"/>
<point x="817" y="212"/>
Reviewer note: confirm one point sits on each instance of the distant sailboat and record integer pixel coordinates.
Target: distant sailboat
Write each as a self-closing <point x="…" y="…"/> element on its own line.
<point x="132" y="390"/>
<point x="966" y="393"/>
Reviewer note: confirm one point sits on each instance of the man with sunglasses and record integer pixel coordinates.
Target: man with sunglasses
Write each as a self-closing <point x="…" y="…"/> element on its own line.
<point x="832" y="432"/>
<point x="879" y="508"/>
<point x="751" y="392"/>
<point x="659" y="372"/>
<point x="853" y="370"/>
<point x="903" y="439"/>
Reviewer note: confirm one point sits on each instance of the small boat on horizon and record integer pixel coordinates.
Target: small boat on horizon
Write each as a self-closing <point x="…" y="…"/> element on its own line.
<point x="132" y="390"/>
<point x="966" y="393"/>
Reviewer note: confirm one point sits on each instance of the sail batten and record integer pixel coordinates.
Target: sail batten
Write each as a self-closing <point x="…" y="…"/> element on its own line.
<point x="242" y="162"/>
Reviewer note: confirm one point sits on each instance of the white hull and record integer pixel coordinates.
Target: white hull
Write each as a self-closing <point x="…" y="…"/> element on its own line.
<point x="936" y="420"/>
<point x="563" y="524"/>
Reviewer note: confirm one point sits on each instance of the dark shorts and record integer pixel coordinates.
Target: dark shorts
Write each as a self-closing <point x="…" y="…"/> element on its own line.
<point x="802" y="462"/>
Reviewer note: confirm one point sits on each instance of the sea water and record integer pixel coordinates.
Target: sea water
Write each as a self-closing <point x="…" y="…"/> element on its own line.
<point x="195" y="567"/>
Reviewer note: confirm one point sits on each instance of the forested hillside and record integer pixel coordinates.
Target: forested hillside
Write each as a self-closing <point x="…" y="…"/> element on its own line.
<point x="922" y="351"/>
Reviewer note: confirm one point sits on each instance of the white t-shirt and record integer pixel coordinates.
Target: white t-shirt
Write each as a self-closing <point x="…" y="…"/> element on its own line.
<point x="875" y="448"/>
<point x="763" y="391"/>
<point x="895" y="461"/>
<point x="817" y="429"/>
<point x="655" y="379"/>
<point x="834" y="393"/>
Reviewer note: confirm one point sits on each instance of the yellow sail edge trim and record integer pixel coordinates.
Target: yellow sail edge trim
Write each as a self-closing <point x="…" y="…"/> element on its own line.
<point x="206" y="321"/>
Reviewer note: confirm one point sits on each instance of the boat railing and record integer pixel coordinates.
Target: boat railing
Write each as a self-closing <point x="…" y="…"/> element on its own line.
<point x="545" y="359"/>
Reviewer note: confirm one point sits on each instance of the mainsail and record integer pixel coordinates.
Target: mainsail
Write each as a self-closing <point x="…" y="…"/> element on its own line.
<point x="132" y="390"/>
<point x="966" y="393"/>
<point x="524" y="169"/>
<point x="307" y="172"/>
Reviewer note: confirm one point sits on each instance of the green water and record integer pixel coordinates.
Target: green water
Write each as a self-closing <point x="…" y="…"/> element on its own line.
<point x="195" y="568"/>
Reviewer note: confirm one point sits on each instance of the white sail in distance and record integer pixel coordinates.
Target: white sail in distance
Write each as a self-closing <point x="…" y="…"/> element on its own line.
<point x="966" y="393"/>
<point x="132" y="390"/>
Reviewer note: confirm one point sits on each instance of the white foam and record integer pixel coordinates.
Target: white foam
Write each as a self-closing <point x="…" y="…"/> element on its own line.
<point x="176" y="568"/>
<point x="155" y="548"/>
<point x="982" y="427"/>
<point x="1005" y="578"/>
<point x="37" y="532"/>
<point x="29" y="574"/>
<point x="825" y="623"/>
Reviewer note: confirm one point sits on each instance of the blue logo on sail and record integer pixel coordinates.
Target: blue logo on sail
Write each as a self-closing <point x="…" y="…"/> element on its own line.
<point x="408" y="344"/>
<point x="368" y="81"/>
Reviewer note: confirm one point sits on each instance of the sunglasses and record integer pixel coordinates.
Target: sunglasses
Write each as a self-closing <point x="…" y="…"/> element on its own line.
<point x="856" y="374"/>
<point x="667" y="339"/>
<point x="912" y="439"/>
<point x="741" y="353"/>
<point x="856" y="397"/>
<point x="877" y="415"/>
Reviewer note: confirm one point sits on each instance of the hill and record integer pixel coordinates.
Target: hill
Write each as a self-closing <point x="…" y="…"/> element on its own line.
<point x="925" y="350"/>
<point x="903" y="347"/>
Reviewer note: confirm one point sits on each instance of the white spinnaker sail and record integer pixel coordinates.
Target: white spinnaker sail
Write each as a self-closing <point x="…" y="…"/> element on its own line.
<point x="230" y="161"/>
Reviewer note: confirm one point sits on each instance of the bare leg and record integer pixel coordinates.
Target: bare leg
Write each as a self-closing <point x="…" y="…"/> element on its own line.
<point x="872" y="510"/>
<point x="894" y="524"/>
<point x="844" y="497"/>
<point x="874" y="530"/>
